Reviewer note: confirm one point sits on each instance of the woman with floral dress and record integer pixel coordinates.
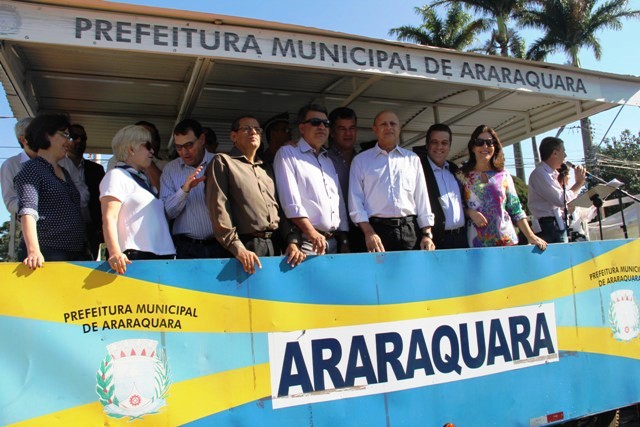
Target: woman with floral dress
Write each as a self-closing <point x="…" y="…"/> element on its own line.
<point x="492" y="204"/>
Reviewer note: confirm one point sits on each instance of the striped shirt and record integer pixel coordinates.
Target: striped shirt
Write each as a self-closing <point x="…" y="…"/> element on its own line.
<point x="188" y="210"/>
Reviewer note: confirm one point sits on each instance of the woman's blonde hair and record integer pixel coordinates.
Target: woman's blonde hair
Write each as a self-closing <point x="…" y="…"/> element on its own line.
<point x="131" y="136"/>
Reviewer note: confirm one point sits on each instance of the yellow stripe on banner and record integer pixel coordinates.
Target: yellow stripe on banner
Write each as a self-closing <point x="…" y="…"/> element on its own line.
<point x="598" y="341"/>
<point x="30" y="298"/>
<point x="188" y="401"/>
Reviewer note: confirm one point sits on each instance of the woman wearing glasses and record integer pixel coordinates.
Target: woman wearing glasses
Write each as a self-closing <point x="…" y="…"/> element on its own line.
<point x="492" y="204"/>
<point x="134" y="222"/>
<point x="49" y="202"/>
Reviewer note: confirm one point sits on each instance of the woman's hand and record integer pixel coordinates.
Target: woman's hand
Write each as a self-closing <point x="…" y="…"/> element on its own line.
<point x="478" y="218"/>
<point x="34" y="260"/>
<point x="118" y="262"/>
<point x="535" y="240"/>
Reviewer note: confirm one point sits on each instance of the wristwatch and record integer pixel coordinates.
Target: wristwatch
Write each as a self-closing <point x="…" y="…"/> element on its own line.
<point x="427" y="233"/>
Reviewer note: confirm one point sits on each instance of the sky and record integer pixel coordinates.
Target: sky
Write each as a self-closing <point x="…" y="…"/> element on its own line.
<point x="374" y="18"/>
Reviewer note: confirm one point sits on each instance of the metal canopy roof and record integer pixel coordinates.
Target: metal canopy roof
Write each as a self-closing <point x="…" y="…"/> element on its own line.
<point x="109" y="65"/>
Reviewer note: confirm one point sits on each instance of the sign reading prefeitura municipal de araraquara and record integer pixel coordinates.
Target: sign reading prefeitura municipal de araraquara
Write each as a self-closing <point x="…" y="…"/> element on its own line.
<point x="161" y="35"/>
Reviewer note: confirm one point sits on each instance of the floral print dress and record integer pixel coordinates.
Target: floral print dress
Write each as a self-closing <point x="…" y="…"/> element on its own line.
<point x="498" y="201"/>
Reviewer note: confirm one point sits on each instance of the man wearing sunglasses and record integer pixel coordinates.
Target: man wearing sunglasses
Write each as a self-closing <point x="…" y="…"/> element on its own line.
<point x="388" y="196"/>
<point x="182" y="192"/>
<point x="309" y="188"/>
<point x="445" y="194"/>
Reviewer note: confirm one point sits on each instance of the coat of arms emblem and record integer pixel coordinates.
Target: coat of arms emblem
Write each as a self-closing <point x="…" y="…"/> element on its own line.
<point x="624" y="315"/>
<point x="133" y="379"/>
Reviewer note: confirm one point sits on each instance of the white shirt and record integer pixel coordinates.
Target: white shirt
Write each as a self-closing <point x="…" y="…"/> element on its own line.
<point x="142" y="224"/>
<point x="308" y="187"/>
<point x="546" y="196"/>
<point x="388" y="185"/>
<point x="450" y="198"/>
<point x="77" y="176"/>
<point x="8" y="171"/>
<point x="188" y="209"/>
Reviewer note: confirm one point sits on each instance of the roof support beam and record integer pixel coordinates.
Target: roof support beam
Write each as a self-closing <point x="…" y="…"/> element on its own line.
<point x="18" y="79"/>
<point x="469" y="111"/>
<point x="360" y="90"/>
<point x="201" y="69"/>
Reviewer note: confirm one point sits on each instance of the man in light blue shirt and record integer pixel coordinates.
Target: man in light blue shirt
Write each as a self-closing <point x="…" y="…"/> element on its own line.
<point x="183" y="195"/>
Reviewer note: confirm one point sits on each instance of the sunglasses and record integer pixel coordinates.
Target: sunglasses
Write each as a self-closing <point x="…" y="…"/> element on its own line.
<point x="250" y="129"/>
<point x="315" y="122"/>
<point x="185" y="146"/>
<point x="479" y="142"/>
<point x="148" y="146"/>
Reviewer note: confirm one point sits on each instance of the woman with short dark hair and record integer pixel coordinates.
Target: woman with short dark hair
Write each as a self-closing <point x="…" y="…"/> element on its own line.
<point x="49" y="210"/>
<point x="492" y="204"/>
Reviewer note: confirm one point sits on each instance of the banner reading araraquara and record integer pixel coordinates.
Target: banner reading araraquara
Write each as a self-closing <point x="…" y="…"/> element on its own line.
<point x="335" y="363"/>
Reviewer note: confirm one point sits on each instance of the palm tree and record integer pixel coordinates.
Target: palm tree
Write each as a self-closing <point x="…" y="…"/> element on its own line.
<point x="501" y="11"/>
<point x="458" y="31"/>
<point x="568" y="26"/>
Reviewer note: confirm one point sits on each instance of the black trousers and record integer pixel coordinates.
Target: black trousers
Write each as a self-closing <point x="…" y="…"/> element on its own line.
<point x="187" y="248"/>
<point x="452" y="240"/>
<point x="550" y="233"/>
<point x="397" y="234"/>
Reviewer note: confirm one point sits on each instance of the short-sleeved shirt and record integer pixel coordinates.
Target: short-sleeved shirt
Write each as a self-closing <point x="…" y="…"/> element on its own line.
<point x="142" y="224"/>
<point x="53" y="202"/>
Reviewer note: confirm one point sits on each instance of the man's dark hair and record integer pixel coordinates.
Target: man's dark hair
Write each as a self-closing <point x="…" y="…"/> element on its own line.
<point x="342" y="113"/>
<point x="547" y="146"/>
<point x="187" y="125"/>
<point x="43" y="127"/>
<point x="155" y="134"/>
<point x="235" y="125"/>
<point x="302" y="113"/>
<point x="438" y="127"/>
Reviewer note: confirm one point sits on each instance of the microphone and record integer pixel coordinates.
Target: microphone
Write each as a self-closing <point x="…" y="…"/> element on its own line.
<point x="571" y="165"/>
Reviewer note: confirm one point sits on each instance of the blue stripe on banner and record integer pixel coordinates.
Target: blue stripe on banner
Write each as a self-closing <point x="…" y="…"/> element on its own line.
<point x="566" y="312"/>
<point x="32" y="365"/>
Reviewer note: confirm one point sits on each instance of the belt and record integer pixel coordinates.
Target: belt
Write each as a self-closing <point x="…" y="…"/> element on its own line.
<point x="393" y="222"/>
<point x="547" y="219"/>
<point x="185" y="238"/>
<point x="326" y="234"/>
<point x="459" y="230"/>
<point x="267" y="234"/>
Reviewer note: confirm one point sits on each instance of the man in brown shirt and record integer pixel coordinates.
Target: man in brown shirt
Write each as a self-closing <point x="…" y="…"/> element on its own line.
<point x="242" y="202"/>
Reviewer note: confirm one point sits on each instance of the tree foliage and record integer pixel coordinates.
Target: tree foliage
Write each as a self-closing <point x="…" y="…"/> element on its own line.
<point x="457" y="31"/>
<point x="5" y="239"/>
<point x="620" y="158"/>
<point x="571" y="25"/>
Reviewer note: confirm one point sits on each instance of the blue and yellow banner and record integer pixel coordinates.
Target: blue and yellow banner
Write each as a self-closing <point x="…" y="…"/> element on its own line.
<point x="492" y="337"/>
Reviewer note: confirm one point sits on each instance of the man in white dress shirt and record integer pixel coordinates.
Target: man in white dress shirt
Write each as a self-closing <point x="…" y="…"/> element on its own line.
<point x="547" y="199"/>
<point x="308" y="186"/>
<point x="388" y="196"/>
<point x="445" y="193"/>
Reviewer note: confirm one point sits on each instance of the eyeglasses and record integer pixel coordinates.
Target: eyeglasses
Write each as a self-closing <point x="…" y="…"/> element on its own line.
<point x="185" y="146"/>
<point x="65" y="135"/>
<point x="479" y="142"/>
<point x="250" y="129"/>
<point x="78" y="137"/>
<point x="315" y="122"/>
<point x="148" y="146"/>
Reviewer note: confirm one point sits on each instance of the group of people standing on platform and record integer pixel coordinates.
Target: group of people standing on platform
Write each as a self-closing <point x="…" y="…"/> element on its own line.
<point x="315" y="195"/>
